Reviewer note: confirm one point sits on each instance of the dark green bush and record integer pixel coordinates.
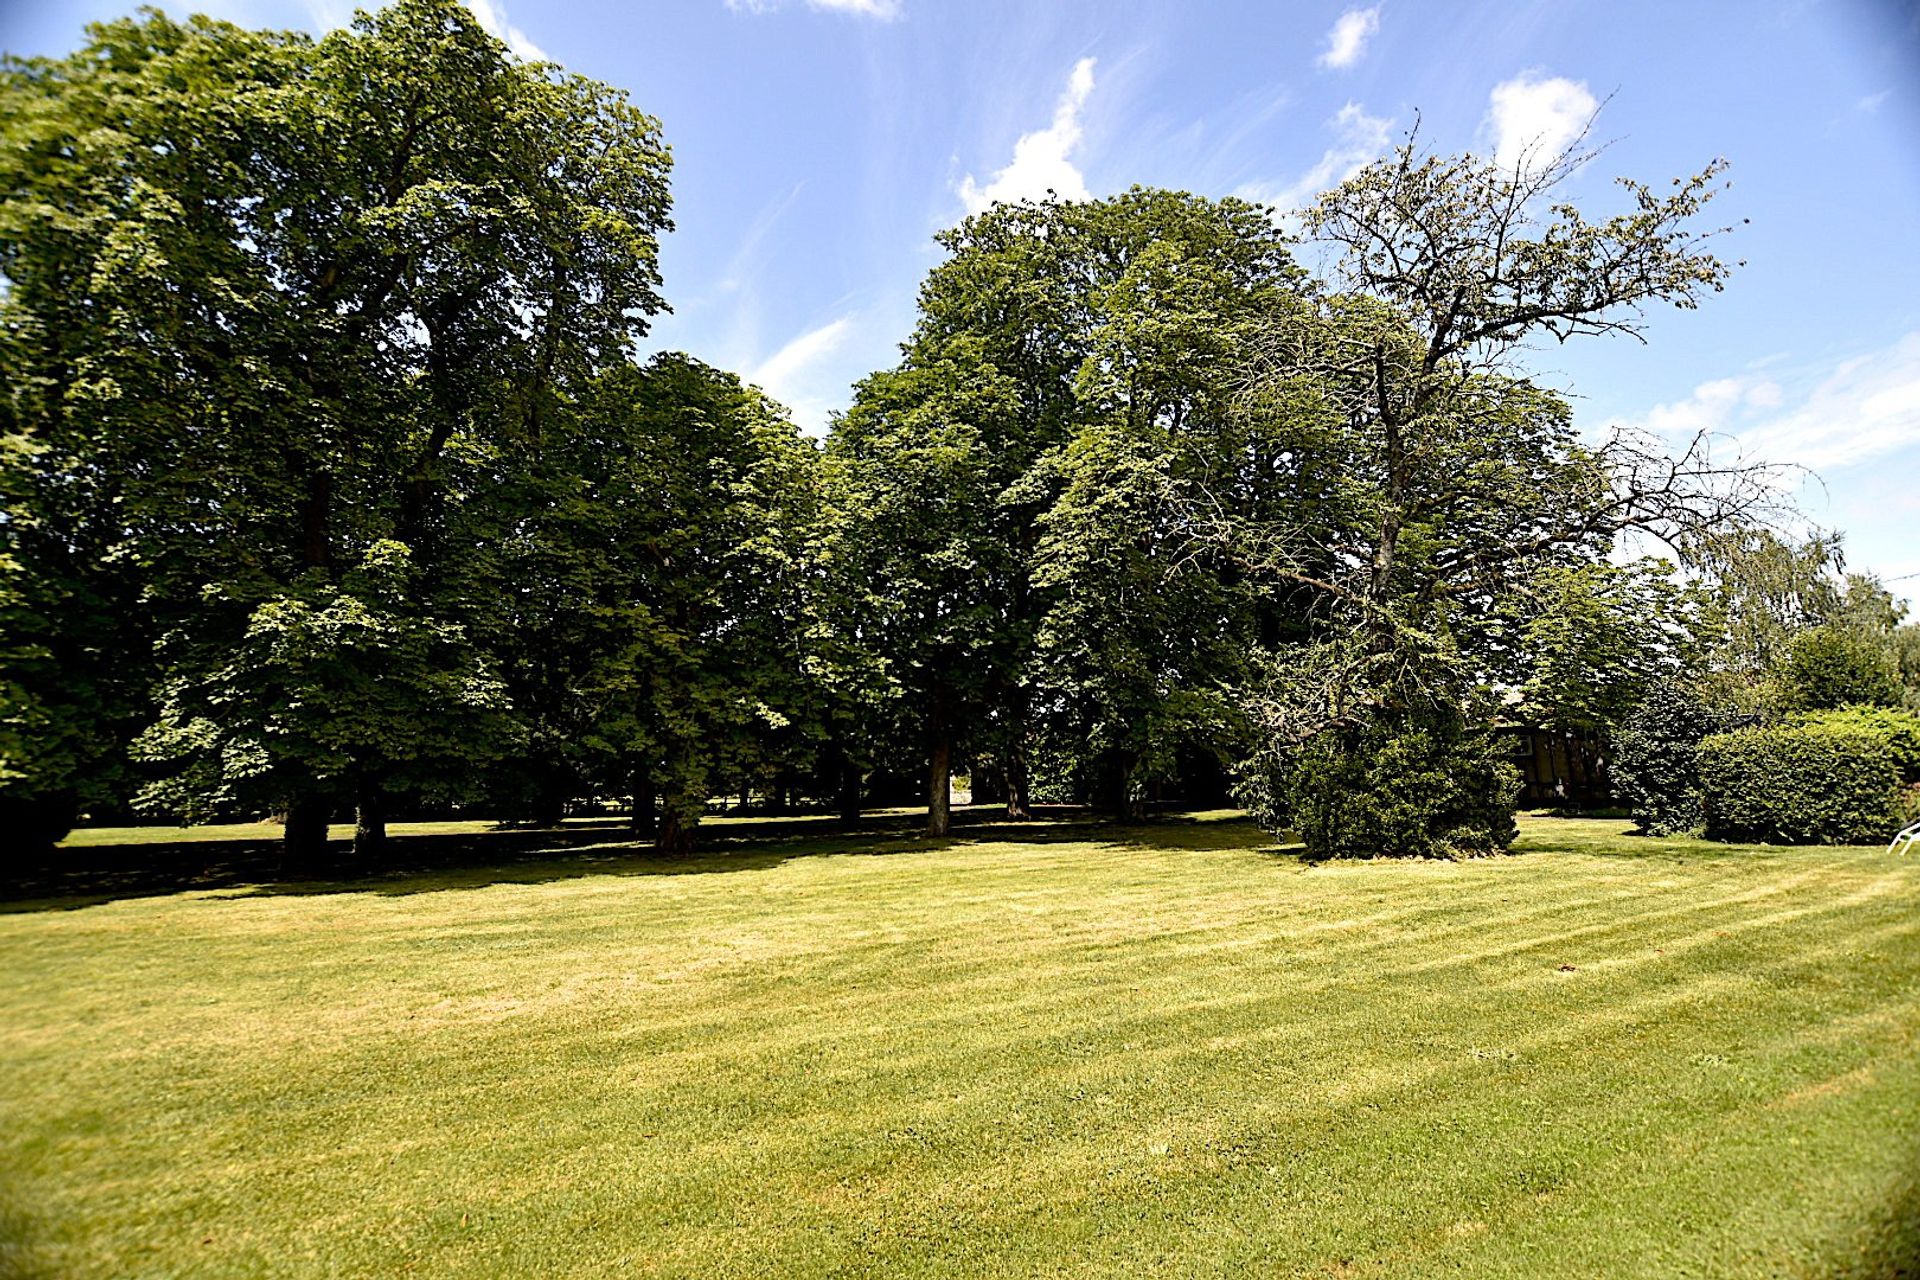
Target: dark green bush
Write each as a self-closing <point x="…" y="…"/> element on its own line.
<point x="1900" y="728"/>
<point x="1799" y="784"/>
<point x="1408" y="789"/>
<point x="1655" y="764"/>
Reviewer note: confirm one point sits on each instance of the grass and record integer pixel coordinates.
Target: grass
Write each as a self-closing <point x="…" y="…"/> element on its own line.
<point x="1064" y="1051"/>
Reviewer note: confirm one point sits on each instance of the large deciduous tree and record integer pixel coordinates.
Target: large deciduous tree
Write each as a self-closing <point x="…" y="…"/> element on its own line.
<point x="286" y="319"/>
<point x="1460" y="480"/>
<point x="1074" y="366"/>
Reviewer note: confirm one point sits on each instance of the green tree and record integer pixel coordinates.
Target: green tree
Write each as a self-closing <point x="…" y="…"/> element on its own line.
<point x="1837" y="666"/>
<point x="917" y="579"/>
<point x="331" y="679"/>
<point x="1599" y="636"/>
<point x="1656" y="765"/>
<point x="699" y="498"/>
<point x="1459" y="480"/>
<point x="340" y="288"/>
<point x="1061" y="347"/>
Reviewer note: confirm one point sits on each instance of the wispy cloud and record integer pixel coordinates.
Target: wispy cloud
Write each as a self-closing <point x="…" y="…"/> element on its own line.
<point x="1863" y="409"/>
<point x="747" y="254"/>
<point x="1348" y="39"/>
<point x="881" y="10"/>
<point x="885" y="10"/>
<point x="1872" y="102"/>
<point x="493" y="16"/>
<point x="1358" y="139"/>
<point x="1534" y="119"/>
<point x="327" y="15"/>
<point x="1042" y="160"/>
<point x="1867" y="407"/>
<point x="792" y="375"/>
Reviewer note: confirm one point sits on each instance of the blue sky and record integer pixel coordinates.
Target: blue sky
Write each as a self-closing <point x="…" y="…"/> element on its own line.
<point x="819" y="144"/>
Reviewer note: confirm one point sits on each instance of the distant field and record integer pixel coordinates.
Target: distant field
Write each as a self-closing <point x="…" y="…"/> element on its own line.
<point x="1034" y="1051"/>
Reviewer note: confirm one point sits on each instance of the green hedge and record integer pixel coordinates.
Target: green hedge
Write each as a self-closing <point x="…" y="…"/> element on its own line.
<point x="1799" y="784"/>
<point x="1900" y="729"/>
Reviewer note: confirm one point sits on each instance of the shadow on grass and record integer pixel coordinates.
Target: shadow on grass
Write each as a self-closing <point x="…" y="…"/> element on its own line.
<point x="1619" y="841"/>
<point x="426" y="862"/>
<point x="1889" y="1248"/>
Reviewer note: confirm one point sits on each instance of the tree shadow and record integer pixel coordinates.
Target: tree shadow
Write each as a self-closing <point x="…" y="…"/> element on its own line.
<point x="19" y="1257"/>
<point x="75" y="878"/>
<point x="1890" y="1247"/>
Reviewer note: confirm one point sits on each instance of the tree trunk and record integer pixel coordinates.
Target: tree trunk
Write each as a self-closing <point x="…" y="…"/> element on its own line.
<point x="370" y="827"/>
<point x="646" y="818"/>
<point x="303" y="845"/>
<point x="676" y="829"/>
<point x="1019" y="806"/>
<point x="849" y="795"/>
<point x="1116" y="789"/>
<point x="550" y="802"/>
<point x="940" y="784"/>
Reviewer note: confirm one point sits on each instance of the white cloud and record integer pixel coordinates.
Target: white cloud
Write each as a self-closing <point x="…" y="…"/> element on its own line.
<point x="1865" y="408"/>
<point x="1042" y="161"/>
<point x="790" y="375"/>
<point x="493" y="17"/>
<point x="1871" y="103"/>
<point x="883" y="10"/>
<point x="1535" y="120"/>
<point x="1348" y="39"/>
<point x="1358" y="139"/>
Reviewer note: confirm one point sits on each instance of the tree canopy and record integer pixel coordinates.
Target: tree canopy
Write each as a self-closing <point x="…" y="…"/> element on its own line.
<point x="333" y="481"/>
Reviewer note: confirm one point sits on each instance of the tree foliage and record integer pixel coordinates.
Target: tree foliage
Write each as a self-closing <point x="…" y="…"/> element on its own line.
<point x="340" y="288"/>
<point x="1460" y="484"/>
<point x="331" y="479"/>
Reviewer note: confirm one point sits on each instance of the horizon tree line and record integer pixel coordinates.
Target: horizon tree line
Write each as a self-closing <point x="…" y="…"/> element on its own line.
<point x="332" y="482"/>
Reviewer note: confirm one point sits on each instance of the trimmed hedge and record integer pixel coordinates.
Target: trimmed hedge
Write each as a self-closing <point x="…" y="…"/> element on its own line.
<point x="1799" y="784"/>
<point x="1898" y="727"/>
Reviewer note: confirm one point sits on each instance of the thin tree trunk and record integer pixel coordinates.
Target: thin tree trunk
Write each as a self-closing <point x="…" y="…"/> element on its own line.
<point x="940" y="784"/>
<point x="1019" y="806"/>
<point x="1117" y="784"/>
<point x="849" y="797"/>
<point x="370" y="827"/>
<point x="646" y="818"/>
<point x="1014" y="766"/>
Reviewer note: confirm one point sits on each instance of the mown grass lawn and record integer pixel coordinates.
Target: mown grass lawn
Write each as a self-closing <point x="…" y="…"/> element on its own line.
<point x="1064" y="1051"/>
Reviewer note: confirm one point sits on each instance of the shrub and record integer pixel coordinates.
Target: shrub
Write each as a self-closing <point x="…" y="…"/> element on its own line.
<point x="1799" y="784"/>
<point x="1430" y="789"/>
<point x="1656" y="765"/>
<point x="1837" y="666"/>
<point x="1899" y="727"/>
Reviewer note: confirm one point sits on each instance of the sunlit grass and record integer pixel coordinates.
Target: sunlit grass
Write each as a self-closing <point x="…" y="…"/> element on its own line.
<point x="1059" y="1051"/>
